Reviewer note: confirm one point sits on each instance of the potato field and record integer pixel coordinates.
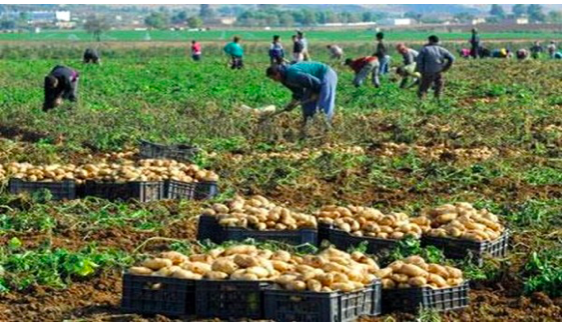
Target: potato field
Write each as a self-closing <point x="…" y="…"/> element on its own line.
<point x="378" y="198"/>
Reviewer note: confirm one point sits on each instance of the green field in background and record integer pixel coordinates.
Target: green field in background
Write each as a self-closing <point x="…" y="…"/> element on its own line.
<point x="265" y="35"/>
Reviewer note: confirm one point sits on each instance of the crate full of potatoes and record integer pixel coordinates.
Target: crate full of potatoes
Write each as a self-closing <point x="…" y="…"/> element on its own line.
<point x="352" y="225"/>
<point x="460" y="231"/>
<point x="413" y="283"/>
<point x="258" y="218"/>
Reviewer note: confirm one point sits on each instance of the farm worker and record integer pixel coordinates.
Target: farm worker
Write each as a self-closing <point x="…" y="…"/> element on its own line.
<point x="432" y="61"/>
<point x="91" y="56"/>
<point x="502" y="53"/>
<point x="557" y="55"/>
<point x="305" y="43"/>
<point x="61" y="83"/>
<point x="381" y="54"/>
<point x="363" y="67"/>
<point x="536" y="50"/>
<point x="196" y="50"/>
<point x="276" y="51"/>
<point x="465" y="53"/>
<point x="236" y="52"/>
<point x="297" y="49"/>
<point x="522" y="54"/>
<point x="475" y="42"/>
<point x="409" y="65"/>
<point x="313" y="85"/>
<point x="335" y="51"/>
<point x="551" y="49"/>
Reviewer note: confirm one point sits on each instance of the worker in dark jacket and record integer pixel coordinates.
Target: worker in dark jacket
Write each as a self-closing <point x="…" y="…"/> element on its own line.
<point x="91" y="56"/>
<point x="475" y="42"/>
<point x="363" y="67"/>
<point x="536" y="50"/>
<point x="381" y="53"/>
<point x="61" y="83"/>
<point x="432" y="61"/>
<point x="313" y="85"/>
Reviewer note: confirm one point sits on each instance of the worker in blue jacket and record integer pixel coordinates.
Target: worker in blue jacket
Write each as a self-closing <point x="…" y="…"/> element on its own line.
<point x="313" y="85"/>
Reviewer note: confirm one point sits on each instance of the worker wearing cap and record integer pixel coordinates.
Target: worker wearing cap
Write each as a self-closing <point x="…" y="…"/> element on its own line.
<point x="313" y="85"/>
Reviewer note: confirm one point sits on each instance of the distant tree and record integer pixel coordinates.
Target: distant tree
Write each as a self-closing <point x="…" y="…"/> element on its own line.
<point x="157" y="20"/>
<point x="194" y="22"/>
<point x="413" y="15"/>
<point x="206" y="12"/>
<point x="268" y="7"/>
<point x="368" y="16"/>
<point x="519" y="10"/>
<point x="497" y="11"/>
<point x="179" y="17"/>
<point x="464" y="17"/>
<point x="96" y="25"/>
<point x="308" y="18"/>
<point x="7" y="24"/>
<point x="535" y="12"/>
<point x="554" y="17"/>
<point x="331" y="17"/>
<point x="286" y="19"/>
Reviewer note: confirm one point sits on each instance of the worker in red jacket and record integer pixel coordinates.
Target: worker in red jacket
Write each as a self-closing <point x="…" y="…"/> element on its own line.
<point x="363" y="67"/>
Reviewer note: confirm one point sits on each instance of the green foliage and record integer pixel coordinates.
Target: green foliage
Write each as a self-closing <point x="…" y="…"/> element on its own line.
<point x="409" y="246"/>
<point x="21" y="268"/>
<point x="426" y="315"/>
<point x="543" y="272"/>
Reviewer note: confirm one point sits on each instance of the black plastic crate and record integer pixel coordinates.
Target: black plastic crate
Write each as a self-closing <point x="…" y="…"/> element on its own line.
<point x="180" y="152"/>
<point x="344" y="240"/>
<point x="411" y="299"/>
<point x="209" y="228"/>
<point x="455" y="248"/>
<point x="151" y="295"/>
<point x="205" y="190"/>
<point x="230" y="299"/>
<point x="323" y="231"/>
<point x="140" y="191"/>
<point x="65" y="189"/>
<point x="177" y="190"/>
<point x="305" y="306"/>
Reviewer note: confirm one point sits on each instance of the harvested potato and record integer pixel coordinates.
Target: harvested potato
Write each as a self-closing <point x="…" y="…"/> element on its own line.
<point x="157" y="263"/>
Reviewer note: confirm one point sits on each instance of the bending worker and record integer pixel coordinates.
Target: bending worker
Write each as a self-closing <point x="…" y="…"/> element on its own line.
<point x="61" y="83"/>
<point x="363" y="67"/>
<point x="409" y="65"/>
<point x="313" y="85"/>
<point x="91" y="56"/>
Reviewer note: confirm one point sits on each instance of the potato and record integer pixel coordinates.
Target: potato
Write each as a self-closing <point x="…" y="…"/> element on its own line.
<point x="314" y="285"/>
<point x="446" y="217"/>
<point x="175" y="257"/>
<point x="334" y="267"/>
<point x="296" y="286"/>
<point x="245" y="261"/>
<point x="340" y="277"/>
<point x="388" y="284"/>
<point x="281" y="266"/>
<point x="208" y="212"/>
<point x="216" y="275"/>
<point x="140" y="270"/>
<point x="224" y="265"/>
<point x="326" y="279"/>
<point x="396" y="266"/>
<point x="244" y="277"/>
<point x="454" y="282"/>
<point x="343" y="286"/>
<point x="439" y="270"/>
<point x="157" y="263"/>
<point x="199" y="267"/>
<point x="259" y="271"/>
<point x="220" y="208"/>
<point x="167" y="271"/>
<point x="285" y="279"/>
<point x="417" y="281"/>
<point x="403" y="286"/>
<point x="396" y="235"/>
<point x="184" y="274"/>
<point x="240" y="249"/>
<point x="399" y="278"/>
<point x="384" y="273"/>
<point x="454" y="272"/>
<point x="437" y="280"/>
<point x="204" y="258"/>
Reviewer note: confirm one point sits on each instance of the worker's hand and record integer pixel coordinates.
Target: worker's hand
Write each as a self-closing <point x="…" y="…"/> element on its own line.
<point x="291" y="106"/>
<point x="58" y="101"/>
